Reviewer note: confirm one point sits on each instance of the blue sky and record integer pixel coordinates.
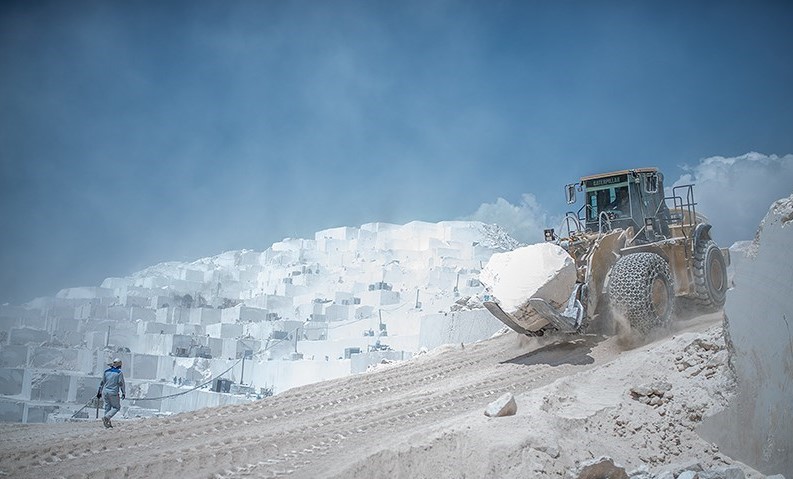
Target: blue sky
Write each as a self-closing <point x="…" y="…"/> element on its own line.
<point x="138" y="132"/>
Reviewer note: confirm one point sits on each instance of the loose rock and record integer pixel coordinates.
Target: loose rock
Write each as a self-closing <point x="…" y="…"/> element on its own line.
<point x="503" y="406"/>
<point x="601" y="468"/>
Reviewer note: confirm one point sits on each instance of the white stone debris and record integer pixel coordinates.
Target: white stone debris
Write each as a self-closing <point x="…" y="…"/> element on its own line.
<point x="503" y="406"/>
<point x="655" y="394"/>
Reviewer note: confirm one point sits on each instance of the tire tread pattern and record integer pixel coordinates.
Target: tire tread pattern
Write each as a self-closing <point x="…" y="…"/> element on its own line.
<point x="630" y="286"/>
<point x="707" y="300"/>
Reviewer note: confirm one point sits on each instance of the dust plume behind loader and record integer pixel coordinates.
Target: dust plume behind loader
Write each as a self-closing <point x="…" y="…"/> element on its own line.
<point x="635" y="253"/>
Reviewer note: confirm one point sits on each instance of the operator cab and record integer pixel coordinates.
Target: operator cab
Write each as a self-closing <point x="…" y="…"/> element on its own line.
<point x="610" y="196"/>
<point x="622" y="199"/>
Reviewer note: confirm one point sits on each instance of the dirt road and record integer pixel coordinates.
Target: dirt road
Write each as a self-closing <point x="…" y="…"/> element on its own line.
<point x="312" y="431"/>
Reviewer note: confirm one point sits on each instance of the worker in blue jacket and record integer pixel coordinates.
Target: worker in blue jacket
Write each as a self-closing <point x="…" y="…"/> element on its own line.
<point x="110" y="388"/>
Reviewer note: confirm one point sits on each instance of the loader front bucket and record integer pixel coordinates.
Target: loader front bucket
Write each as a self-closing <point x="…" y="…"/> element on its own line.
<point x="515" y="278"/>
<point x="542" y="314"/>
<point x="560" y="321"/>
<point x="506" y="318"/>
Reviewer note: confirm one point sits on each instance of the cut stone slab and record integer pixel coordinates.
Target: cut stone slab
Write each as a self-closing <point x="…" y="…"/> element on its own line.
<point x="542" y="270"/>
<point x="503" y="406"/>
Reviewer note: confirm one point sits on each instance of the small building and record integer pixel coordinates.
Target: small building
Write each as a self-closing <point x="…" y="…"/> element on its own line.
<point x="222" y="385"/>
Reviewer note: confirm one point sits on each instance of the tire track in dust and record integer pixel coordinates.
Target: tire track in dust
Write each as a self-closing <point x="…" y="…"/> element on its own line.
<point x="447" y="404"/>
<point x="272" y="437"/>
<point x="425" y="410"/>
<point x="390" y="380"/>
<point x="397" y="414"/>
<point x="207" y="422"/>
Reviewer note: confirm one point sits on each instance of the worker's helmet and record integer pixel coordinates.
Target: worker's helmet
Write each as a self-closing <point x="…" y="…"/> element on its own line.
<point x="117" y="362"/>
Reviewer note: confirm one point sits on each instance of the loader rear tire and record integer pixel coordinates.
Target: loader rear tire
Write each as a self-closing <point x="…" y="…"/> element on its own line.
<point x="640" y="290"/>
<point x="710" y="276"/>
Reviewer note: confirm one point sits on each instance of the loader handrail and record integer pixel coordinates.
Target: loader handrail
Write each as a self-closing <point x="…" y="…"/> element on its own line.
<point x="601" y="216"/>
<point x="586" y="208"/>
<point x="575" y="219"/>
<point x="684" y="205"/>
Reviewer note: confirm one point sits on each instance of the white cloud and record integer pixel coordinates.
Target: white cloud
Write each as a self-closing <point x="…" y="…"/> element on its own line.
<point x="525" y="221"/>
<point x="735" y="193"/>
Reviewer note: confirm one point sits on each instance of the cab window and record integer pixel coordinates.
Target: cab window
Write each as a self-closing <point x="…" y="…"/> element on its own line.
<point x="611" y="199"/>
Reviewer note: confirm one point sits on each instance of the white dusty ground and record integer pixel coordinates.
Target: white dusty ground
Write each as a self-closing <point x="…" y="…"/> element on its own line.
<point x="424" y="418"/>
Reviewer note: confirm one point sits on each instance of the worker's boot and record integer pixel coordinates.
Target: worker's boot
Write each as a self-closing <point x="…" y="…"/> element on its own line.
<point x="106" y="421"/>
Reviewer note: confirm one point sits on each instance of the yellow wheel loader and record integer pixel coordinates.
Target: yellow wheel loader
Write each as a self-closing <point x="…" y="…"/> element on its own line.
<point x="637" y="254"/>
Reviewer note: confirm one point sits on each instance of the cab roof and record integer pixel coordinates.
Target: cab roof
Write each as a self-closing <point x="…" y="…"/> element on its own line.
<point x="619" y="172"/>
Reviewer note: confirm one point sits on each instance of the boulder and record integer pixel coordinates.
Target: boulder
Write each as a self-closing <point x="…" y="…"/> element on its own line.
<point x="600" y="468"/>
<point x="503" y="406"/>
<point x="722" y="473"/>
<point x="542" y="270"/>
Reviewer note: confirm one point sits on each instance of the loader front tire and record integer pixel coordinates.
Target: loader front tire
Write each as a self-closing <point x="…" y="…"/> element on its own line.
<point x="641" y="292"/>
<point x="710" y="276"/>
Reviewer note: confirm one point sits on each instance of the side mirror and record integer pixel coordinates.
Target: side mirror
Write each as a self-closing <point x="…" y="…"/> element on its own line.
<point x="651" y="183"/>
<point x="570" y="193"/>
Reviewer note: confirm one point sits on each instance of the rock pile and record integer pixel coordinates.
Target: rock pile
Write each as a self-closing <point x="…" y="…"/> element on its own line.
<point x="680" y="399"/>
<point x="605" y="468"/>
<point x="655" y="394"/>
<point x="466" y="303"/>
<point x="702" y="357"/>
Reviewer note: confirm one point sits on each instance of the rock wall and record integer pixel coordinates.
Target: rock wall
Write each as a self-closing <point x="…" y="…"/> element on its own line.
<point x="757" y="427"/>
